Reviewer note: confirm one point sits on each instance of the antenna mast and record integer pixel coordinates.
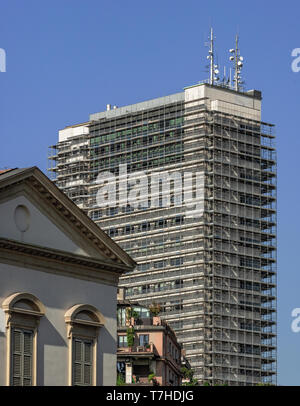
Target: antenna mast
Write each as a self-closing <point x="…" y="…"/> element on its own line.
<point x="237" y="60"/>
<point x="213" y="69"/>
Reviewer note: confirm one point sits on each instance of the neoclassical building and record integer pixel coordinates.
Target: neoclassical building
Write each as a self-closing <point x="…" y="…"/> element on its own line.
<point x="58" y="287"/>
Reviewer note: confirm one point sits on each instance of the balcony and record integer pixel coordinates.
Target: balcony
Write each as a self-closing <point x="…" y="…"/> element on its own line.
<point x="143" y="321"/>
<point x="144" y="351"/>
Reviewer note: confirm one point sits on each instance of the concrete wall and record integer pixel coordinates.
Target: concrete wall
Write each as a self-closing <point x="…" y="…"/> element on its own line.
<point x="66" y="133"/>
<point x="58" y="294"/>
<point x="226" y="101"/>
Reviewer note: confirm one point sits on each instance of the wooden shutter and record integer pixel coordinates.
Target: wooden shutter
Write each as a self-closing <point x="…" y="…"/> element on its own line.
<point x="77" y="362"/>
<point x="17" y="356"/>
<point x="88" y="363"/>
<point x="22" y="343"/>
<point x="27" y="358"/>
<point x="82" y="362"/>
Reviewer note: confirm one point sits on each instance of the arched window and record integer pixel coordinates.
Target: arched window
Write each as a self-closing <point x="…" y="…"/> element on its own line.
<point x="23" y="312"/>
<point x="83" y="324"/>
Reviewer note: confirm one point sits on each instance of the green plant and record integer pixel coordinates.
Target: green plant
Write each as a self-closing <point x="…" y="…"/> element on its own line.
<point x="120" y="380"/>
<point x="189" y="374"/>
<point x="130" y="337"/>
<point x="128" y="313"/>
<point x="155" y="309"/>
<point x="151" y="376"/>
<point x="131" y="313"/>
<point x="135" y="314"/>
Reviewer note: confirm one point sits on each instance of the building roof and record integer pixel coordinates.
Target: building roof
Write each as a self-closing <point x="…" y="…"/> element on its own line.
<point x="5" y="170"/>
<point x="32" y="177"/>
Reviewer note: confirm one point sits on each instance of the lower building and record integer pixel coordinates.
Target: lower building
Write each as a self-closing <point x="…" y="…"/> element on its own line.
<point x="148" y="351"/>
<point x="58" y="287"/>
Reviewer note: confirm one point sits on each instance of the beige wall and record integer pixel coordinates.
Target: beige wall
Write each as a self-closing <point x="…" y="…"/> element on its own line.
<point x="42" y="231"/>
<point x="72" y="132"/>
<point x="58" y="294"/>
<point x="226" y="101"/>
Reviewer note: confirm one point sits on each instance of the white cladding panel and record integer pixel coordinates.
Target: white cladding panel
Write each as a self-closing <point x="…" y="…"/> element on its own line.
<point x="69" y="132"/>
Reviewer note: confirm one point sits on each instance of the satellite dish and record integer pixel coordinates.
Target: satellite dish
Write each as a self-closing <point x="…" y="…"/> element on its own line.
<point x="231" y="58"/>
<point x="217" y="71"/>
<point x="241" y="58"/>
<point x="231" y="50"/>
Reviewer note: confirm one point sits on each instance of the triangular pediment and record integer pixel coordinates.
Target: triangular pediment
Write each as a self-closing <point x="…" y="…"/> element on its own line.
<point x="34" y="211"/>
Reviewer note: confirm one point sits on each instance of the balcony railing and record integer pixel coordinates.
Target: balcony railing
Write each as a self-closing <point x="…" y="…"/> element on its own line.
<point x="138" y="349"/>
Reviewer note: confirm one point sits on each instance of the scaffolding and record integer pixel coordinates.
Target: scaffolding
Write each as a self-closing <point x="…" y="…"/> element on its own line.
<point x="215" y="275"/>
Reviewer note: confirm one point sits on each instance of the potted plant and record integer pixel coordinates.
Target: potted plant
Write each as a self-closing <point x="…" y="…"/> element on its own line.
<point x="155" y="309"/>
<point x="131" y="316"/>
<point x="152" y="378"/>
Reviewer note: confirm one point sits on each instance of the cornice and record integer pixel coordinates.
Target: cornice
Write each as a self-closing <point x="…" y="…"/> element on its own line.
<point x="60" y="262"/>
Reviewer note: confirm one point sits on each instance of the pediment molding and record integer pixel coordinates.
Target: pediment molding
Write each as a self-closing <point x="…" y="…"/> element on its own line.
<point x="37" y="184"/>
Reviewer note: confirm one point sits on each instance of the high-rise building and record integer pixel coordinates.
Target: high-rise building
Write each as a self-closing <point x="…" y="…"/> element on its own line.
<point x="199" y="219"/>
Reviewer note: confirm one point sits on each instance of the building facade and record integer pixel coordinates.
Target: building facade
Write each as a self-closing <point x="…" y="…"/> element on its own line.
<point x="154" y="349"/>
<point x="204" y="236"/>
<point x="58" y="284"/>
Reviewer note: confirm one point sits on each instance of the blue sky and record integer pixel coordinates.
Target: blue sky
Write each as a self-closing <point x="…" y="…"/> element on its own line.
<point x="69" y="58"/>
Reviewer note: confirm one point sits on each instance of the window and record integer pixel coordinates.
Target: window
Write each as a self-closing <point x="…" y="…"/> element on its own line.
<point x="23" y="312"/>
<point x="121" y="313"/>
<point x="22" y="351"/>
<point x="122" y="341"/>
<point x="143" y="312"/>
<point x="83" y="362"/>
<point x="143" y="339"/>
<point x="159" y="264"/>
<point x="83" y="324"/>
<point x="144" y="267"/>
<point x="176" y="261"/>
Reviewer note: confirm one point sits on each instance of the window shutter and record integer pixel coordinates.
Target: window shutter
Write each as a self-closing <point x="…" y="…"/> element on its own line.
<point x="87" y="363"/>
<point x="78" y="362"/>
<point x="27" y="367"/>
<point x="82" y="367"/>
<point x="87" y="352"/>
<point x="22" y="357"/>
<point x="17" y="355"/>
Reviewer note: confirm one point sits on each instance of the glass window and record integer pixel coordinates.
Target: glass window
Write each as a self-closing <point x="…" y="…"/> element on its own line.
<point x="142" y="312"/>
<point x="122" y="341"/>
<point x="144" y="339"/>
<point x="122" y="316"/>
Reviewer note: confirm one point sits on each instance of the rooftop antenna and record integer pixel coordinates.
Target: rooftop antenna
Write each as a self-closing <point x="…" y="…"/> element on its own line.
<point x="238" y="62"/>
<point x="225" y="78"/>
<point x="213" y="68"/>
